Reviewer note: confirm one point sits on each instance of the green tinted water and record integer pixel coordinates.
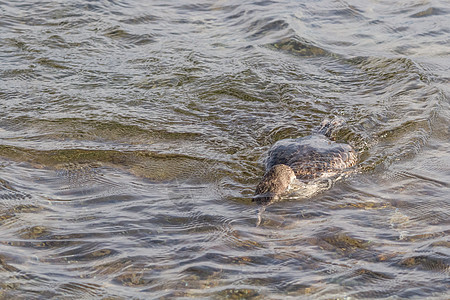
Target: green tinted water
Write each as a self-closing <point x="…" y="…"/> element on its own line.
<point x="133" y="134"/>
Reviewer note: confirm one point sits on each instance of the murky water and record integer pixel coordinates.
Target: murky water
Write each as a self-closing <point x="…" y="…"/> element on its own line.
<point x="133" y="134"/>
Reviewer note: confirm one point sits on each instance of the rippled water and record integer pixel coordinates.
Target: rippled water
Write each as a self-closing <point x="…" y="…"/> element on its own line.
<point x="133" y="134"/>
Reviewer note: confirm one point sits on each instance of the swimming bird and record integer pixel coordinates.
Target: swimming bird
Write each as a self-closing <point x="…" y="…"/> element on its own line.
<point x="303" y="159"/>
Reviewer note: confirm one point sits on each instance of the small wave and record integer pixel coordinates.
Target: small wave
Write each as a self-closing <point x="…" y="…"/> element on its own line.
<point x="78" y="289"/>
<point x="299" y="47"/>
<point x="118" y="33"/>
<point x="141" y="19"/>
<point x="427" y="263"/>
<point x="431" y="11"/>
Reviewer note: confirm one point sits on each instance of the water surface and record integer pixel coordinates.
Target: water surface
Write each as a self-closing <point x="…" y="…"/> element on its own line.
<point x="133" y="134"/>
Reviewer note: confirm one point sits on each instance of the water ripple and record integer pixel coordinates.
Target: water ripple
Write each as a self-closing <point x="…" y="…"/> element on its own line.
<point x="133" y="134"/>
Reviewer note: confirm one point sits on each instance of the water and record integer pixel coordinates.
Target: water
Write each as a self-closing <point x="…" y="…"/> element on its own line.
<point x="133" y="134"/>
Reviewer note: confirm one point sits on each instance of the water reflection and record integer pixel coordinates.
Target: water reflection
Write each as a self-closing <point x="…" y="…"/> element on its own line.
<point x="133" y="135"/>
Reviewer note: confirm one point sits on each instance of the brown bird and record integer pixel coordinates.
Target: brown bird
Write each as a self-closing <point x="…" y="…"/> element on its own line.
<point x="303" y="159"/>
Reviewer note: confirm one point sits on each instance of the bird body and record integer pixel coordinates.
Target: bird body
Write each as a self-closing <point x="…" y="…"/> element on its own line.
<point x="303" y="159"/>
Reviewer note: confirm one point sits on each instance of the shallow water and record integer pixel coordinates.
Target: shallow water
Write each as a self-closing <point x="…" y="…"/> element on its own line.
<point x="133" y="135"/>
